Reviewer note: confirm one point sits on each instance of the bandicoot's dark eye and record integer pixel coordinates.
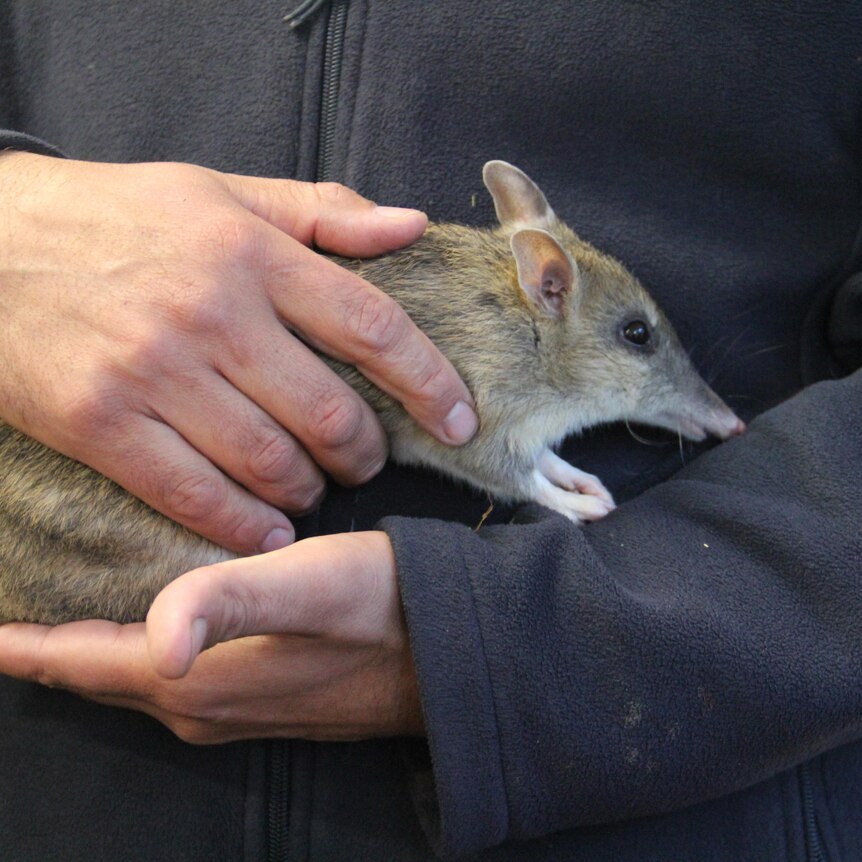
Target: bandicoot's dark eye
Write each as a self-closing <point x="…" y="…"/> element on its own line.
<point x="637" y="332"/>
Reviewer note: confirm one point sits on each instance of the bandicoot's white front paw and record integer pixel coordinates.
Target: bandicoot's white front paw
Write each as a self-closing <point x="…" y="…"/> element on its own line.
<point x="563" y="475"/>
<point x="574" y="505"/>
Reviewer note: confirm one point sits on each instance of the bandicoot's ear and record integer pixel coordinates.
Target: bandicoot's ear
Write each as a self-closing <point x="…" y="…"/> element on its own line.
<point x="518" y="200"/>
<point x="547" y="275"/>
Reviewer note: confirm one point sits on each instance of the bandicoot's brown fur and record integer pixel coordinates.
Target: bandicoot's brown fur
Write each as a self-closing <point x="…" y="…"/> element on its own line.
<point x="530" y="316"/>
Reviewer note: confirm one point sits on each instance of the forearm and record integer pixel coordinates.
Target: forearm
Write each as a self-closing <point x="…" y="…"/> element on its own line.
<point x="700" y="639"/>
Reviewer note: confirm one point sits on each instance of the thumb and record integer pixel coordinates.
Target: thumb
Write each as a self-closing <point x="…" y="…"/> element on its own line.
<point x="317" y="587"/>
<point x="328" y="215"/>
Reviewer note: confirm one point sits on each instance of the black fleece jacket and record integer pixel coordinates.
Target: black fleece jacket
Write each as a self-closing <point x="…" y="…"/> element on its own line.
<point x="680" y="681"/>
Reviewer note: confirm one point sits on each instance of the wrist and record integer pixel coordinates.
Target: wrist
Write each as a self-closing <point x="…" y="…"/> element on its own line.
<point x="15" y="168"/>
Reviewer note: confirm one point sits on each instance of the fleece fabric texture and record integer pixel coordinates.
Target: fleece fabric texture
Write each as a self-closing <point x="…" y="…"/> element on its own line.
<point x="678" y="682"/>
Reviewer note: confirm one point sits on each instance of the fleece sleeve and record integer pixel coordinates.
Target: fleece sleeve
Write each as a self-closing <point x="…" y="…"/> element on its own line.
<point x="10" y="140"/>
<point x="703" y="637"/>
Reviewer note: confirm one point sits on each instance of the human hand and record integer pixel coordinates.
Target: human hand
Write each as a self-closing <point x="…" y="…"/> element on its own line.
<point x="309" y="641"/>
<point x="147" y="311"/>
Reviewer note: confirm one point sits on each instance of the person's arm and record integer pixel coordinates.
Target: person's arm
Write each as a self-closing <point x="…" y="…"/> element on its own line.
<point x="701" y="638"/>
<point x="151" y="314"/>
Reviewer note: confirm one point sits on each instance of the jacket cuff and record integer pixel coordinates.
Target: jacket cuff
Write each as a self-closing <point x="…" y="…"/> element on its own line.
<point x="459" y="792"/>
<point x="10" y="140"/>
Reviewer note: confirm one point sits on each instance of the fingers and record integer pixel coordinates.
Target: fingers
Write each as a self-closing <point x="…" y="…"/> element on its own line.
<point x="328" y="215"/>
<point x="335" y="425"/>
<point x="97" y="659"/>
<point x="351" y="320"/>
<point x="177" y="480"/>
<point x="251" y="448"/>
<point x="342" y="584"/>
<point x="156" y="319"/>
<point x="344" y="315"/>
<point x="63" y="656"/>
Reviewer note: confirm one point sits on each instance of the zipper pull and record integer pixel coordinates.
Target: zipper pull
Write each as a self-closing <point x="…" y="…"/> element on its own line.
<point x="303" y="12"/>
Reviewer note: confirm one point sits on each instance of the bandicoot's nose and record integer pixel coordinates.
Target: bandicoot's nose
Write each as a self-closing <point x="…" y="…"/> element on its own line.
<point x="717" y="418"/>
<point x="697" y="412"/>
<point x="710" y="416"/>
<point x="726" y="424"/>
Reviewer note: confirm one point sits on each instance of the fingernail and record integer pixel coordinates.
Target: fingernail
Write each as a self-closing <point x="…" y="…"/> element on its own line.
<point x="398" y="213"/>
<point x="199" y="636"/>
<point x="461" y="423"/>
<point x="277" y="538"/>
<point x="371" y="470"/>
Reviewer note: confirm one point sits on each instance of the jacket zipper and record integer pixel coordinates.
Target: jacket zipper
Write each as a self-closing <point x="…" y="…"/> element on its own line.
<point x="278" y="801"/>
<point x="813" y="841"/>
<point x="278" y="796"/>
<point x="336" y="26"/>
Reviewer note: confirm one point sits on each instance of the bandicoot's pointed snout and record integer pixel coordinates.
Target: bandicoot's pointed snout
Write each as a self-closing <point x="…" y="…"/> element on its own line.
<point x="723" y="423"/>
<point x="714" y="417"/>
<point x="698" y="413"/>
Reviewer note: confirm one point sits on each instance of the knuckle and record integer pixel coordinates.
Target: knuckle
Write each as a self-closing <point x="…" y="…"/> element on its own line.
<point x="98" y="407"/>
<point x="334" y="194"/>
<point x="203" y="310"/>
<point x="197" y="497"/>
<point x="149" y="353"/>
<point x="432" y="381"/>
<point x="377" y="324"/>
<point x="335" y="420"/>
<point x="198" y="302"/>
<point x="241" y="530"/>
<point x="279" y="463"/>
<point x="273" y="459"/>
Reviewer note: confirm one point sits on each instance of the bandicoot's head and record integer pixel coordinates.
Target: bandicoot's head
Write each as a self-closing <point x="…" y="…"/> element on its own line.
<point x="603" y="338"/>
